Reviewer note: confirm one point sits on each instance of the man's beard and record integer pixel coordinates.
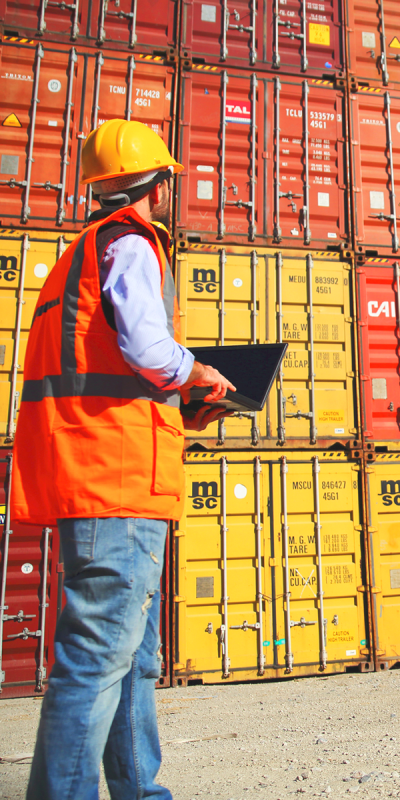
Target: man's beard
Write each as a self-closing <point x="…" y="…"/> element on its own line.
<point x="162" y="211"/>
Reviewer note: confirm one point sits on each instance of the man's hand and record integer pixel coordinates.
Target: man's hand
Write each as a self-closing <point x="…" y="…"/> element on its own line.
<point x="203" y="375"/>
<point x="204" y="416"/>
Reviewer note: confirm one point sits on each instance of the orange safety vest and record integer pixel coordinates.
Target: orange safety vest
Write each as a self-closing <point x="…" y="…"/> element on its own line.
<point x="92" y="439"/>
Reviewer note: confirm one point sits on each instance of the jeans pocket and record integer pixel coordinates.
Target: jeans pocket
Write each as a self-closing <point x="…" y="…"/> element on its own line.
<point x="78" y="539"/>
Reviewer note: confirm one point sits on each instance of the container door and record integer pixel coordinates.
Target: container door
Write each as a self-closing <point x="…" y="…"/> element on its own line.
<point x="375" y="120"/>
<point x="38" y="148"/>
<point x="305" y="164"/>
<point x="310" y="307"/>
<point x="58" y="21"/>
<point x="222" y="32"/>
<point x="127" y="88"/>
<point x="218" y="194"/>
<point x="29" y="592"/>
<point x="25" y="262"/>
<point x="221" y="619"/>
<point x="373" y="41"/>
<point x="125" y="24"/>
<point x="379" y="314"/>
<point x="383" y="491"/>
<point x="221" y="300"/>
<point x="320" y="573"/>
<point x="304" y="37"/>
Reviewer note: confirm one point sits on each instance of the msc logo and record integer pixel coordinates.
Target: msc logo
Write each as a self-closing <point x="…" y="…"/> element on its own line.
<point x="390" y="493"/>
<point x="8" y="268"/>
<point x="204" y="494"/>
<point x="204" y="279"/>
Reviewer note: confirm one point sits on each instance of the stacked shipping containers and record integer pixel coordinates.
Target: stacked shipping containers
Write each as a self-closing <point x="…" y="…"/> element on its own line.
<point x="284" y="114"/>
<point x="65" y="68"/>
<point x="271" y="561"/>
<point x="373" y="45"/>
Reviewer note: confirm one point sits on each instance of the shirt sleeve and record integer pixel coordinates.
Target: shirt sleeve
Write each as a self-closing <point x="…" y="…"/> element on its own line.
<point x="131" y="281"/>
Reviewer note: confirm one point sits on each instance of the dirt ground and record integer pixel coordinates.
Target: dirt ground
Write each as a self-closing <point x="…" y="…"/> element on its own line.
<point x="318" y="737"/>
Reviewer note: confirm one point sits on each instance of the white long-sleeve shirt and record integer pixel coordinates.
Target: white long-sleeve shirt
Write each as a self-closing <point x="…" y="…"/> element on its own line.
<point x="131" y="281"/>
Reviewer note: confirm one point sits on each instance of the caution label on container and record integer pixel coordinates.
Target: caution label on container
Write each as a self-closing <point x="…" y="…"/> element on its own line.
<point x="395" y="43"/>
<point x="331" y="416"/>
<point x="341" y="636"/>
<point x="319" y="34"/>
<point x="12" y="121"/>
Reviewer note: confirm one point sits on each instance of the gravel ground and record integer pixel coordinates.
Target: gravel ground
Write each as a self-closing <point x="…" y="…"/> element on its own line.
<point x="318" y="737"/>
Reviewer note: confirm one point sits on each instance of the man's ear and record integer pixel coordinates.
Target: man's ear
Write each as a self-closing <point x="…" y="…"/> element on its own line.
<point x="155" y="194"/>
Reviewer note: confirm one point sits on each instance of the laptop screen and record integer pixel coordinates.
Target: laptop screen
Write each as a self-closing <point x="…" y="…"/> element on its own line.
<point x="251" y="368"/>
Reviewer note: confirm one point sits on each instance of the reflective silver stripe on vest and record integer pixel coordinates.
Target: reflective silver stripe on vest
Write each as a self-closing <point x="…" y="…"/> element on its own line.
<point x="73" y="384"/>
<point x="92" y="384"/>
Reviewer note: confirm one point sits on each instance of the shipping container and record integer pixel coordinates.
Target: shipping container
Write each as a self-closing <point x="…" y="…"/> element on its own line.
<point x="383" y="502"/>
<point x="25" y="261"/>
<point x="378" y="299"/>
<point x="294" y="37"/>
<point x="270" y="568"/>
<point x="239" y="295"/>
<point x="375" y="152"/>
<point x="31" y="587"/>
<point x="53" y="97"/>
<point x="265" y="160"/>
<point x="373" y="41"/>
<point x="115" y="24"/>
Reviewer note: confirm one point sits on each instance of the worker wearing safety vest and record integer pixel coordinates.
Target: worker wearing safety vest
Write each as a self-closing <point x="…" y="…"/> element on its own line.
<point x="98" y="450"/>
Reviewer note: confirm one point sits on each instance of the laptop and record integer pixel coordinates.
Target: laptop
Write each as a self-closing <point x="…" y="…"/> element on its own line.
<point x="252" y="368"/>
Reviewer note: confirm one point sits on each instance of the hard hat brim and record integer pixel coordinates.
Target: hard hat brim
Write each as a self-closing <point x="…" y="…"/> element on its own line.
<point x="177" y="169"/>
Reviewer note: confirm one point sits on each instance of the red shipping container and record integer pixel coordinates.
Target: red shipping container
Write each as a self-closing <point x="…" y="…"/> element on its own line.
<point x="148" y="25"/>
<point x="30" y="600"/>
<point x="295" y="37"/>
<point x="51" y="98"/>
<point x="265" y="160"/>
<point x="378" y="301"/>
<point x="375" y="152"/>
<point x="373" y="40"/>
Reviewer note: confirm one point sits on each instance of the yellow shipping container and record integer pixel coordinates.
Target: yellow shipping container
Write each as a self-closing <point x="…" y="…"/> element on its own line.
<point x="383" y="508"/>
<point x="269" y="559"/>
<point x="25" y="261"/>
<point x="239" y="295"/>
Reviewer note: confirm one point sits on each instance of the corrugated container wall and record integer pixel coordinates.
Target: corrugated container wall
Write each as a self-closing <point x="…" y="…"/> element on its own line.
<point x="239" y="295"/>
<point x="270" y="568"/>
<point x="31" y="588"/>
<point x="292" y="37"/>
<point x="265" y="160"/>
<point x="144" y="25"/>
<point x="378" y="298"/>
<point x="53" y="96"/>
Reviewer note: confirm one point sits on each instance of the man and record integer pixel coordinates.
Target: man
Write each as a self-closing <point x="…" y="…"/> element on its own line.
<point x="99" y="450"/>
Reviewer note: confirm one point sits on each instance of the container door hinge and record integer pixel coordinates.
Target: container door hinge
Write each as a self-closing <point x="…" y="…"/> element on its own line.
<point x="179" y="599"/>
<point x="176" y="534"/>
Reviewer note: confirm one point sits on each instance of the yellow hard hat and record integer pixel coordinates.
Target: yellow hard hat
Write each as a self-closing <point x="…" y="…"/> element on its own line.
<point x="119" y="148"/>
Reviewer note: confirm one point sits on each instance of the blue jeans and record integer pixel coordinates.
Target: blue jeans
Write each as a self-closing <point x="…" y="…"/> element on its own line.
<point x="100" y="703"/>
